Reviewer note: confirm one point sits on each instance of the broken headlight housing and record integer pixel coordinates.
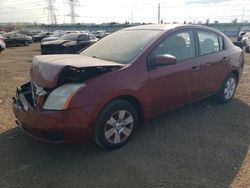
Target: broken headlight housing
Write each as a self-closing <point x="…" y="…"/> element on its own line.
<point x="60" y="98"/>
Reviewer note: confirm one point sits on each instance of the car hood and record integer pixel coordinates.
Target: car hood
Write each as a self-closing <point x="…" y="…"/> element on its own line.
<point x="55" y="42"/>
<point x="45" y="70"/>
<point x="38" y="35"/>
<point x="50" y="38"/>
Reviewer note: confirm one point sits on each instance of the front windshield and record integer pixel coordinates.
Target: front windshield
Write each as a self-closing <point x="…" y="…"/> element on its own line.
<point x="71" y="37"/>
<point x="122" y="46"/>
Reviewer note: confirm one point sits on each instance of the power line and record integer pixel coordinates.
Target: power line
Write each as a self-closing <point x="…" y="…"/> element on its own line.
<point x="51" y="11"/>
<point x="72" y="4"/>
<point x="159" y="13"/>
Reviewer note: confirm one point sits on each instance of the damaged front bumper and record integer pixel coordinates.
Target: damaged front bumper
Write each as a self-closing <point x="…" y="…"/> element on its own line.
<point x="51" y="126"/>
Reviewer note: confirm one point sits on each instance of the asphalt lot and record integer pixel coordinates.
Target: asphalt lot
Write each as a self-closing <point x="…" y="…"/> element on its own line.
<point x="204" y="144"/>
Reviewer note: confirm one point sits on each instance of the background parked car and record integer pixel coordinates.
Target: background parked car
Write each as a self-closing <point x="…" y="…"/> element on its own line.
<point x="56" y="35"/>
<point x="241" y="34"/>
<point x="16" y="39"/>
<point x="68" y="44"/>
<point x="246" y="42"/>
<point x="2" y="44"/>
<point x="100" y="34"/>
<point x="40" y="36"/>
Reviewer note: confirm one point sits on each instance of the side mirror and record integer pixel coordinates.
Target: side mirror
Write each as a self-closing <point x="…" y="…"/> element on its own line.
<point x="239" y="44"/>
<point x="166" y="59"/>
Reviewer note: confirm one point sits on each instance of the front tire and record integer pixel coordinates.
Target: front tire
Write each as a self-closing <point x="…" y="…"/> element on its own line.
<point x="26" y="43"/>
<point x="115" y="124"/>
<point x="228" y="89"/>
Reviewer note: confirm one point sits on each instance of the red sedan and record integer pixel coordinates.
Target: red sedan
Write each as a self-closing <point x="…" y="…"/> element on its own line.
<point x="123" y="80"/>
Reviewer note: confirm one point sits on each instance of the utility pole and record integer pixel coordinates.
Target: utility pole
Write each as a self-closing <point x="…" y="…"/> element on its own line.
<point x="132" y="18"/>
<point x="243" y="14"/>
<point x="159" y="13"/>
<point x="72" y="4"/>
<point x="51" y="12"/>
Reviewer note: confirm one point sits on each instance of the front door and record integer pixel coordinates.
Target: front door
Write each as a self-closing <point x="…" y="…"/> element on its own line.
<point x="176" y="84"/>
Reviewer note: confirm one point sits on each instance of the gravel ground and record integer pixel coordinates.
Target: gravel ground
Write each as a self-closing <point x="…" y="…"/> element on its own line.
<point x="204" y="144"/>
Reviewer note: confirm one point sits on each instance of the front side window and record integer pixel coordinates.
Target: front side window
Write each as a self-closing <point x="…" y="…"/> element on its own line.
<point x="208" y="43"/>
<point x="70" y="37"/>
<point x="181" y="45"/>
<point x="83" y="38"/>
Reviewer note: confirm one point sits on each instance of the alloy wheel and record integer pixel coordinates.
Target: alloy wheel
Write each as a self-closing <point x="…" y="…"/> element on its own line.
<point x="119" y="127"/>
<point x="230" y="88"/>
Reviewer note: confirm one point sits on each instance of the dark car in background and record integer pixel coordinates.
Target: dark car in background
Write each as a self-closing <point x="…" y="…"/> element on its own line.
<point x="17" y="39"/>
<point x="40" y="36"/>
<point x="68" y="44"/>
<point x="246" y="42"/>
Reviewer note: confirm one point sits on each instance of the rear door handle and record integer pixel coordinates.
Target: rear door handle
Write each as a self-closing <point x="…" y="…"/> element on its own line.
<point x="224" y="59"/>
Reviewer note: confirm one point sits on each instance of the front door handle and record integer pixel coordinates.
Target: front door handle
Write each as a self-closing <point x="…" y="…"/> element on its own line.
<point x="224" y="59"/>
<point x="195" y="67"/>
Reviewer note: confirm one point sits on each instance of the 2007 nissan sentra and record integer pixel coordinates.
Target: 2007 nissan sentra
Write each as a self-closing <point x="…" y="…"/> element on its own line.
<point x="123" y="80"/>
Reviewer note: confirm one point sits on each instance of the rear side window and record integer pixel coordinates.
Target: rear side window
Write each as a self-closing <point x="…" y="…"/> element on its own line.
<point x="209" y="42"/>
<point x="181" y="45"/>
<point x="92" y="37"/>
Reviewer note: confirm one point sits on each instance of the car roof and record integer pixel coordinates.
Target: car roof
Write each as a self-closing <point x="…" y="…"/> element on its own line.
<point x="153" y="27"/>
<point x="166" y="27"/>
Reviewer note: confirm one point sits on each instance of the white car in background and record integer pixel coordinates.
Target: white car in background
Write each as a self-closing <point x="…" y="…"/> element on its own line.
<point x="56" y="35"/>
<point x="2" y="44"/>
<point x="246" y="42"/>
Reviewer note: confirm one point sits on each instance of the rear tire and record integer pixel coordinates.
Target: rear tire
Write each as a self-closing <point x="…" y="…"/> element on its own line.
<point x="227" y="89"/>
<point x="115" y="124"/>
<point x="26" y="43"/>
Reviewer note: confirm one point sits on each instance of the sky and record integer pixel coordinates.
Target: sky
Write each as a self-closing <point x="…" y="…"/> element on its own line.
<point x="101" y="11"/>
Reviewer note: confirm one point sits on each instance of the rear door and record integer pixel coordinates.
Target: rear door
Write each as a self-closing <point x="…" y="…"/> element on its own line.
<point x="214" y="59"/>
<point x="176" y="84"/>
<point x="19" y="39"/>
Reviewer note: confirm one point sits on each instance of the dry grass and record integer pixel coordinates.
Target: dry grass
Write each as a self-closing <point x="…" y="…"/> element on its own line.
<point x="14" y="68"/>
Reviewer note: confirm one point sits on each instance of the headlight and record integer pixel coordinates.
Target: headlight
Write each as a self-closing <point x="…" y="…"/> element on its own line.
<point x="60" y="98"/>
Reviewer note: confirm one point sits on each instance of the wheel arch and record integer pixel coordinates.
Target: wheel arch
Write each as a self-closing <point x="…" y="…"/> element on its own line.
<point x="133" y="101"/>
<point x="236" y="73"/>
